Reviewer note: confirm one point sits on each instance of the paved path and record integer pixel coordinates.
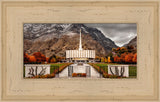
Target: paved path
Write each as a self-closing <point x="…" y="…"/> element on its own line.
<point x="80" y="69"/>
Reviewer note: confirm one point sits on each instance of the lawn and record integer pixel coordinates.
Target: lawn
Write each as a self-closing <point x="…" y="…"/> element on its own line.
<point x="132" y="69"/>
<point x="55" y="66"/>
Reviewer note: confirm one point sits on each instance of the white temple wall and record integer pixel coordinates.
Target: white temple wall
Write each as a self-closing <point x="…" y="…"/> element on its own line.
<point x="80" y="53"/>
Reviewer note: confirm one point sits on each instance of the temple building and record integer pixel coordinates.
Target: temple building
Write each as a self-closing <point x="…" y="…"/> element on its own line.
<point x="80" y="55"/>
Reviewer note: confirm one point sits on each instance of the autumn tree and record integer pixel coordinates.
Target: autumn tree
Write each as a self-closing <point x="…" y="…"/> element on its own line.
<point x="122" y="50"/>
<point x="112" y="59"/>
<point x="53" y="60"/>
<point x="58" y="58"/>
<point x="50" y="60"/>
<point x="130" y="48"/>
<point x="134" y="60"/>
<point x="117" y="59"/>
<point x="122" y="57"/>
<point x="109" y="59"/>
<point x="113" y="49"/>
<point x="118" y="48"/>
<point x="47" y="59"/>
<point x="128" y="58"/>
<point x="105" y="60"/>
<point x="32" y="59"/>
<point x="98" y="58"/>
<point x="124" y="54"/>
<point x="102" y="59"/>
<point x="26" y="58"/>
<point x="39" y="57"/>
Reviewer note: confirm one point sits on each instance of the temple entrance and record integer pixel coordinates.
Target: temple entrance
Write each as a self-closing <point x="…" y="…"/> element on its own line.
<point x="79" y="70"/>
<point x="88" y="71"/>
<point x="70" y="71"/>
<point x="76" y="71"/>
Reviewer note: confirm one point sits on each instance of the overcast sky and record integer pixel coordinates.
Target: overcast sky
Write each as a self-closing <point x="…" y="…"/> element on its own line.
<point x="120" y="33"/>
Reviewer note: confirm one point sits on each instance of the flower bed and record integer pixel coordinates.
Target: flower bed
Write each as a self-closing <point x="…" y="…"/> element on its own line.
<point x="44" y="76"/>
<point x="105" y="75"/>
<point x="78" y="74"/>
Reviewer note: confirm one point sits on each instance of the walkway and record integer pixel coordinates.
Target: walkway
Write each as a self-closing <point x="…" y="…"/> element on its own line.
<point x="80" y="69"/>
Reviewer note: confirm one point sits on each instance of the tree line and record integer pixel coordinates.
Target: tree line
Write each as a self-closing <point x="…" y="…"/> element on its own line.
<point x="120" y="55"/>
<point x="38" y="57"/>
<point x="117" y="55"/>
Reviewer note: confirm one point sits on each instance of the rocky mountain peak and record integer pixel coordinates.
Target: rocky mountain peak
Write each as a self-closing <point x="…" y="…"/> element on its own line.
<point x="62" y="37"/>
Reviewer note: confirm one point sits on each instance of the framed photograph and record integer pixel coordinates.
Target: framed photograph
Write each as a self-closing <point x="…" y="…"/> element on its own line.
<point x="104" y="50"/>
<point x="79" y="50"/>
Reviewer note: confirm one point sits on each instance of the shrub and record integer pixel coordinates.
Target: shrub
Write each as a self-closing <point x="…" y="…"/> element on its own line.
<point x="78" y="74"/>
<point x="83" y="74"/>
<point x="105" y="75"/>
<point x="74" y="74"/>
<point x="44" y="76"/>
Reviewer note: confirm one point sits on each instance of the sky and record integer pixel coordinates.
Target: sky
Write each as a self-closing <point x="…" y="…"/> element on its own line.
<point x="120" y="33"/>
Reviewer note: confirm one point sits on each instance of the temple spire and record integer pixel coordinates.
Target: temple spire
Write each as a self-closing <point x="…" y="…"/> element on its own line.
<point x="80" y="42"/>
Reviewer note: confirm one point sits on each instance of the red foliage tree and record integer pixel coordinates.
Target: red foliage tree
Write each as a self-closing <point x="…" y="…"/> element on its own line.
<point x="47" y="59"/>
<point x="26" y="58"/>
<point x="53" y="60"/>
<point x="117" y="59"/>
<point x="39" y="57"/>
<point x="134" y="58"/>
<point x="118" y="49"/>
<point x="128" y="58"/>
<point x="123" y="57"/>
<point x="32" y="59"/>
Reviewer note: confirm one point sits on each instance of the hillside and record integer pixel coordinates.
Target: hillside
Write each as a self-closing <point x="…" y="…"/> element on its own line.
<point x="132" y="42"/>
<point x="52" y="39"/>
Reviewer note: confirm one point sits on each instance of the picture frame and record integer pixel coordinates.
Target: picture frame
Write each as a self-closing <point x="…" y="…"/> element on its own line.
<point x="15" y="13"/>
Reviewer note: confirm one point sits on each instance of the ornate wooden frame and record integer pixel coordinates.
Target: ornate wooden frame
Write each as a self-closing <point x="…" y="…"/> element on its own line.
<point x="14" y="13"/>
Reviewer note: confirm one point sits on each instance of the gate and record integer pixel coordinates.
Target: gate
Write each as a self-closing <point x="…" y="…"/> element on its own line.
<point x="70" y="71"/>
<point x="88" y="71"/>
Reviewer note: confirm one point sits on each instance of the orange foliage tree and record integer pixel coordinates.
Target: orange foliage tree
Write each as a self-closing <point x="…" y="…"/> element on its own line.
<point x="109" y="59"/>
<point x="53" y="60"/>
<point x="47" y="59"/>
<point x="117" y="59"/>
<point x="118" y="49"/>
<point x="122" y="57"/>
<point x="32" y="59"/>
<point x="26" y="58"/>
<point x="134" y="58"/>
<point x="39" y="57"/>
<point x="102" y="59"/>
<point x="128" y="58"/>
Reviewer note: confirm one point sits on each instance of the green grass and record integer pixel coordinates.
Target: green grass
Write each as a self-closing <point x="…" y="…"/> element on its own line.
<point x="55" y="66"/>
<point x="103" y="66"/>
<point x="132" y="69"/>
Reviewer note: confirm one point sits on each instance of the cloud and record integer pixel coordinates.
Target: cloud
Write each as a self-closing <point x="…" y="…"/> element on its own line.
<point x="120" y="33"/>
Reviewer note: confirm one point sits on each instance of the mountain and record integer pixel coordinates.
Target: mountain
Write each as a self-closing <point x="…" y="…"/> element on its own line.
<point x="132" y="42"/>
<point x="52" y="39"/>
